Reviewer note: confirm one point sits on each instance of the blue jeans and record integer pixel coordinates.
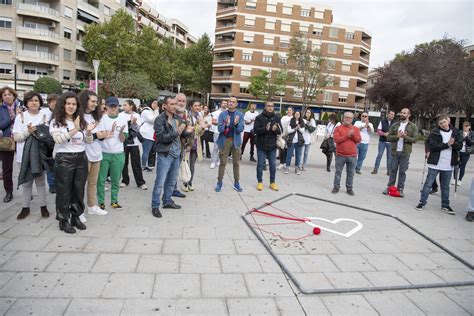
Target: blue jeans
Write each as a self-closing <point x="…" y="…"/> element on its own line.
<point x="289" y="154"/>
<point x="51" y="179"/>
<point x="361" y="154"/>
<point x="350" y="163"/>
<point x="445" y="177"/>
<point x="400" y="163"/>
<point x="147" y="145"/>
<point x="381" y="148"/>
<point x="261" y="156"/>
<point x="306" y="151"/>
<point x="167" y="168"/>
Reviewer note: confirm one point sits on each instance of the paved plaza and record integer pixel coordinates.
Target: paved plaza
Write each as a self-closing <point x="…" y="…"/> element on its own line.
<point x="204" y="259"/>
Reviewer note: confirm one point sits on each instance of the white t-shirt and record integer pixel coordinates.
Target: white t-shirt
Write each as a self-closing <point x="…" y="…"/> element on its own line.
<point x="215" y="115"/>
<point x="113" y="145"/>
<point x="249" y="116"/>
<point x="75" y="144"/>
<point x="94" y="150"/>
<point x="291" y="130"/>
<point x="285" y="121"/>
<point x="147" y="117"/>
<point x="364" y="132"/>
<point x="128" y="117"/>
<point x="46" y="115"/>
<point x="401" y="141"/>
<point x="307" y="134"/>
<point x="444" y="162"/>
<point x="21" y="125"/>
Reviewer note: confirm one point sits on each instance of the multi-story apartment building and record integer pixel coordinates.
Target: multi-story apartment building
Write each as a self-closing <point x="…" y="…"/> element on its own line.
<point x="43" y="38"/>
<point x="252" y="35"/>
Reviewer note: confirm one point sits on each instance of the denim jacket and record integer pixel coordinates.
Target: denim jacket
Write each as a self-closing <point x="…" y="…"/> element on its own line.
<point x="238" y="129"/>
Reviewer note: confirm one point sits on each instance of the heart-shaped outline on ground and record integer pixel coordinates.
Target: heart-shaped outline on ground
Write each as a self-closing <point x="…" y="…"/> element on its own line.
<point x="335" y="221"/>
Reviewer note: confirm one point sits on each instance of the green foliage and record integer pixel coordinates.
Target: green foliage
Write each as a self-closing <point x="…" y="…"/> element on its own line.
<point x="265" y="87"/>
<point x="47" y="85"/>
<point x="325" y="116"/>
<point x="133" y="85"/>
<point x="311" y="69"/>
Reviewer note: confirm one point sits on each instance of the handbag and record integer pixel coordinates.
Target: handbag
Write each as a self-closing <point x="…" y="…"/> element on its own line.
<point x="184" y="170"/>
<point x="280" y="141"/>
<point x="208" y="136"/>
<point x="7" y="144"/>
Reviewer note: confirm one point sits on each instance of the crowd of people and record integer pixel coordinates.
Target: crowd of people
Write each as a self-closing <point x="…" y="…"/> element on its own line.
<point x="76" y="145"/>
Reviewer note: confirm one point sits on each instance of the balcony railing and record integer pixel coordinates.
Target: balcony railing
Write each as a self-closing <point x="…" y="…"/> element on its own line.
<point x="224" y="42"/>
<point x="38" y="11"/>
<point x="225" y="58"/>
<point x="365" y="44"/>
<point x="225" y="26"/>
<point x="38" y="32"/>
<point x="226" y="10"/>
<point x="364" y="59"/>
<point x="42" y="56"/>
<point x="30" y="77"/>
<point x="360" y="89"/>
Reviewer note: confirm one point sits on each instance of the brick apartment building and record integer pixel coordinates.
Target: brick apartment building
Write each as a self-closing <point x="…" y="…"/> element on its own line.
<point x="44" y="38"/>
<point x="252" y="35"/>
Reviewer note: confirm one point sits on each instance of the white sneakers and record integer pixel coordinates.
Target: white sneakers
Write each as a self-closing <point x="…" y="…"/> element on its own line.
<point x="453" y="182"/>
<point x="213" y="165"/>
<point x="123" y="185"/>
<point x="82" y="218"/>
<point x="95" y="210"/>
<point x="143" y="187"/>
<point x="280" y="166"/>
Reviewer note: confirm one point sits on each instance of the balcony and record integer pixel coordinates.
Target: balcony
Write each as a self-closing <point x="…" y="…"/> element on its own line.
<point x="366" y="45"/>
<point x="38" y="11"/>
<point x="227" y="42"/>
<point x="225" y="26"/>
<point x="37" y="34"/>
<point x="364" y="58"/>
<point x="83" y="65"/>
<point x="30" y="77"/>
<point x="38" y="57"/>
<point x="360" y="90"/>
<point x="226" y="10"/>
<point x="86" y="7"/>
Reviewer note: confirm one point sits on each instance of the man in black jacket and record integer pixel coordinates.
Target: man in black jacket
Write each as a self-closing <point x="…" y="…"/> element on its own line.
<point x="267" y="127"/>
<point x="443" y="144"/>
<point x="168" y="128"/>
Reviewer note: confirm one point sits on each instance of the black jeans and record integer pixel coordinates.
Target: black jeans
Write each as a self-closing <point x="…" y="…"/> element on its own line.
<point x="152" y="156"/>
<point x="7" y="158"/>
<point x="247" y="136"/>
<point x="134" y="153"/>
<point x="208" y="152"/>
<point x="71" y="176"/>
<point x="464" y="157"/>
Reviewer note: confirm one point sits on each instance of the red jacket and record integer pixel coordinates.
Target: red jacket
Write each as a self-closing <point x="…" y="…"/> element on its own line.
<point x="345" y="145"/>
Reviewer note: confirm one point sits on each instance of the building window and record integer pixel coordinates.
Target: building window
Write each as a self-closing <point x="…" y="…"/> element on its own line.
<point x="30" y="25"/>
<point x="284" y="43"/>
<point x="319" y="14"/>
<point x="346" y="66"/>
<point x="350" y="36"/>
<point x="304" y="28"/>
<point x="333" y="32"/>
<point x="106" y="10"/>
<point x="68" y="12"/>
<point x="249" y="21"/>
<point x="67" y="54"/>
<point x="267" y="59"/>
<point x="297" y="93"/>
<point x="67" y="33"/>
<point x="251" y="4"/>
<point x="327" y="96"/>
<point x="347" y="50"/>
<point x="66" y="74"/>
<point x="248" y="39"/>
<point x="5" y="23"/>
<point x="285" y="27"/>
<point x="247" y="57"/>
<point x="269" y="25"/>
<point x="29" y="71"/>
<point x="5" y="46"/>
<point x="244" y="90"/>
<point x="317" y="31"/>
<point x="316" y="46"/>
<point x="245" y="72"/>
<point x="282" y="60"/>
<point x="287" y="10"/>
<point x="6" y="68"/>
<point x="305" y="12"/>
<point x="268" y="41"/>
<point x="344" y="83"/>
<point x="332" y="48"/>
<point x="271" y="8"/>
<point x="342" y="98"/>
<point x="331" y="64"/>
<point x="6" y="2"/>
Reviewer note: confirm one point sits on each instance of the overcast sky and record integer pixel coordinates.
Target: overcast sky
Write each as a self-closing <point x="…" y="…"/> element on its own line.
<point x="394" y="25"/>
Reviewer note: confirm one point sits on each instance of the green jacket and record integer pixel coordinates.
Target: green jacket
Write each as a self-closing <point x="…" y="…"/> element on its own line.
<point x="411" y="138"/>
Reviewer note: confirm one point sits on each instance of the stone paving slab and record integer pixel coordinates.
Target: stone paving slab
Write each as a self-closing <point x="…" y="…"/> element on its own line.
<point x="80" y="285"/>
<point x="133" y="285"/>
<point x="224" y="285"/>
<point x="72" y="262"/>
<point x="177" y="286"/>
<point x="252" y="306"/>
<point x="83" y="306"/>
<point x="25" y="306"/>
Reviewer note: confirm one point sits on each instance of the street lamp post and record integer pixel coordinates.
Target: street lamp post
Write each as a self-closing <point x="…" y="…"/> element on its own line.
<point x="179" y="87"/>
<point x="96" y="64"/>
<point x="14" y="73"/>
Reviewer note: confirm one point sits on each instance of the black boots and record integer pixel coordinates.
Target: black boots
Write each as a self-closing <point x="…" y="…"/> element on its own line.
<point x="24" y="213"/>
<point x="66" y="227"/>
<point x="44" y="211"/>
<point x="8" y="198"/>
<point x="76" y="222"/>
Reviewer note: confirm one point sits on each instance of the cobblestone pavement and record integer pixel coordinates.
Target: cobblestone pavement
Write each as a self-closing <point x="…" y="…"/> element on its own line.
<point x="203" y="259"/>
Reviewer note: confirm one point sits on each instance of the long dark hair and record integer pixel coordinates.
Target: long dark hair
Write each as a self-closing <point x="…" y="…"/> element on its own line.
<point x="60" y="112"/>
<point x="84" y="97"/>
<point x="310" y="117"/>
<point x="132" y="104"/>
<point x="294" y="122"/>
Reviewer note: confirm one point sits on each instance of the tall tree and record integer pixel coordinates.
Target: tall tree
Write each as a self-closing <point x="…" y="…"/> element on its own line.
<point x="264" y="86"/>
<point x="132" y="85"/>
<point x="310" y="68"/>
<point x="199" y="58"/>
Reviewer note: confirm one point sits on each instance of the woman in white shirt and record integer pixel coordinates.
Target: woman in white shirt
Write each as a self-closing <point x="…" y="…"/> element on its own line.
<point x="329" y="139"/>
<point x="148" y="115"/>
<point x="309" y="128"/>
<point x="92" y="113"/>
<point x="208" y="135"/>
<point x="24" y="127"/>
<point x="295" y="142"/>
<point x="70" y="134"/>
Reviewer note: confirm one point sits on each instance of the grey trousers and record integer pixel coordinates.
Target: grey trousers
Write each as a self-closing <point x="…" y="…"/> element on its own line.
<point x="28" y="191"/>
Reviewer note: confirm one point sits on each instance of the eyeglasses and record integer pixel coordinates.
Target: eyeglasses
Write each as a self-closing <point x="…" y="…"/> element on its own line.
<point x="364" y="115"/>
